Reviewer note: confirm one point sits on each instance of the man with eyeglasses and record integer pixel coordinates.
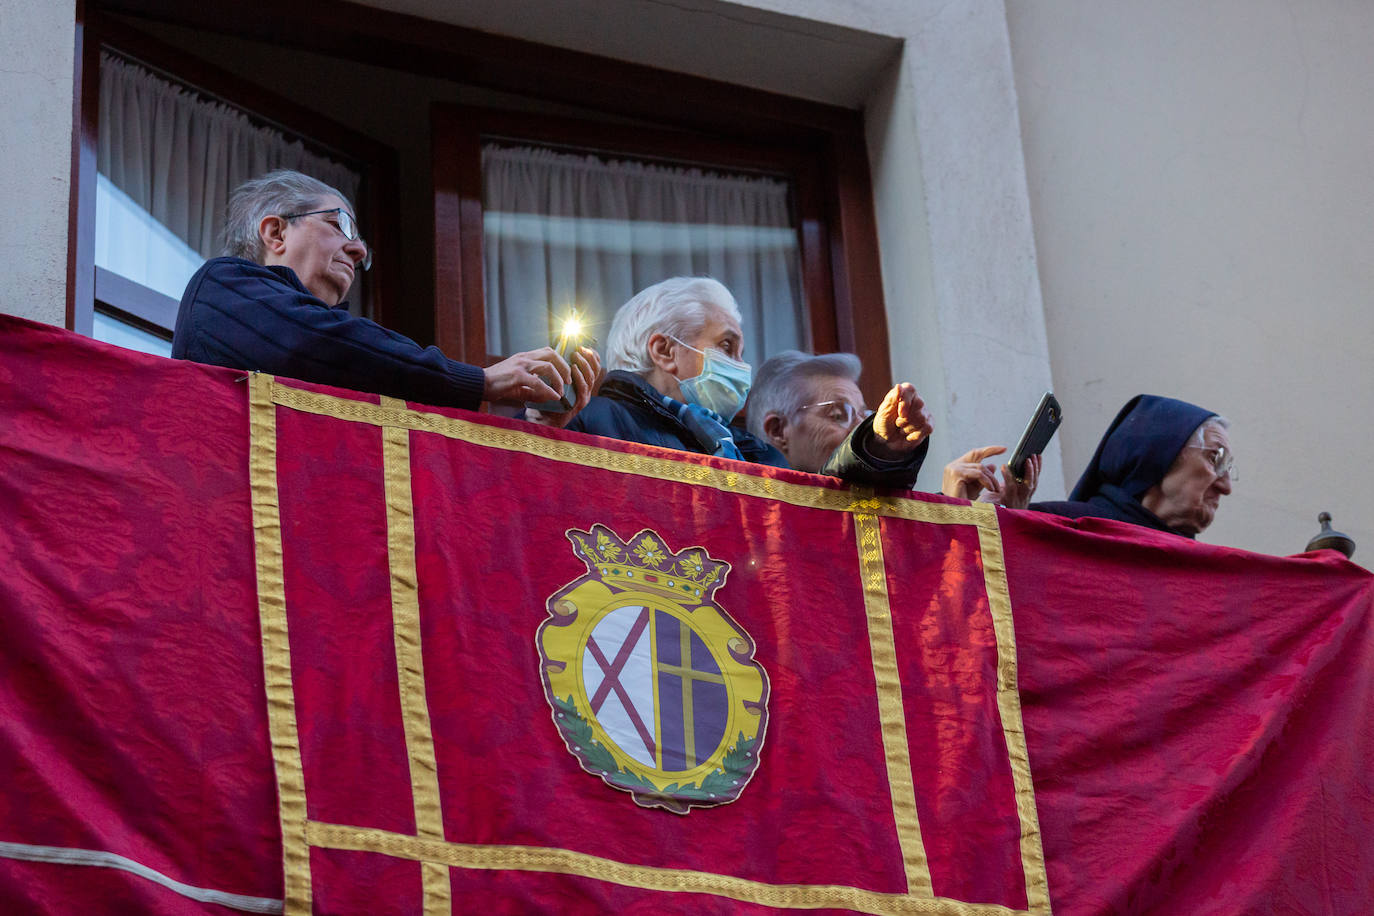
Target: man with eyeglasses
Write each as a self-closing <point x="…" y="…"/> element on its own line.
<point x="271" y="305"/>
<point x="1163" y="464"/>
<point x="811" y="410"/>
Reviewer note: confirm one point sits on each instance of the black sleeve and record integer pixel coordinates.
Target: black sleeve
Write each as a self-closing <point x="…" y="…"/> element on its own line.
<point x="852" y="462"/>
<point x="243" y="315"/>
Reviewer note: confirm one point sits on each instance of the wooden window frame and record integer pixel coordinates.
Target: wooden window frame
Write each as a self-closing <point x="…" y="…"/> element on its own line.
<point x="92" y="288"/>
<point x="458" y="133"/>
<point x="133" y="303"/>
<point x="832" y="136"/>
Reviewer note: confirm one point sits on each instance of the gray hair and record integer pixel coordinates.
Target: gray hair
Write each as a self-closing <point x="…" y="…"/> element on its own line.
<point x="1198" y="438"/>
<point x="279" y="192"/>
<point x="678" y="307"/>
<point x="778" y="387"/>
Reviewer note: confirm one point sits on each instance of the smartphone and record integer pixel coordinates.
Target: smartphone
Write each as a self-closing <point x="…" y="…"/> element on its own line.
<point x="1039" y="432"/>
<point x="568" y="341"/>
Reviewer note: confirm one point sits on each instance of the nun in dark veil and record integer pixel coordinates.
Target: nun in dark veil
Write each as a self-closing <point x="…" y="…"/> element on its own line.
<point x="1141" y="473"/>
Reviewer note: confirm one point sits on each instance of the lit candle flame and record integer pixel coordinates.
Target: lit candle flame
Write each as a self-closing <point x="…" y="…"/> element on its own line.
<point x="572" y="327"/>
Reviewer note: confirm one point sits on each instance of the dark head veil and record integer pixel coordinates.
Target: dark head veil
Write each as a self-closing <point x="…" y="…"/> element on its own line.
<point x="1140" y="446"/>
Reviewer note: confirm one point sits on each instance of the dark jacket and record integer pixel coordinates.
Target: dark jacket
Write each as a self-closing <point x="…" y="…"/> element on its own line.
<point x="1135" y="453"/>
<point x="243" y="315"/>
<point x="1109" y="502"/>
<point x="630" y="409"/>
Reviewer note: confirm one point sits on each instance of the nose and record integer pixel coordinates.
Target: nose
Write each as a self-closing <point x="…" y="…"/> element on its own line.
<point x="1223" y="484"/>
<point x="357" y="250"/>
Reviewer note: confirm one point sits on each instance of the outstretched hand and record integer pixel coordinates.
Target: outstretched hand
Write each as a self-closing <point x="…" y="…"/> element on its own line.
<point x="900" y="423"/>
<point x="586" y="379"/>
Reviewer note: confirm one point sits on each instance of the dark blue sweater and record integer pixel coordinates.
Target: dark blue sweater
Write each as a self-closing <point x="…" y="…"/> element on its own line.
<point x="243" y="315"/>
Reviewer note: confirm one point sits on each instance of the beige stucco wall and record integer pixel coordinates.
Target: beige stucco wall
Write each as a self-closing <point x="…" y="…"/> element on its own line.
<point x="1202" y="187"/>
<point x="36" y="48"/>
<point x="965" y="319"/>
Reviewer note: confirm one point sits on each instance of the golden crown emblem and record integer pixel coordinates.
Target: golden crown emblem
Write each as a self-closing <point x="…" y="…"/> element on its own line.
<point x="644" y="563"/>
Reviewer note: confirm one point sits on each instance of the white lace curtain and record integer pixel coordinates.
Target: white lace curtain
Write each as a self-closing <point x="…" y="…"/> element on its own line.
<point x="565" y="230"/>
<point x="177" y="155"/>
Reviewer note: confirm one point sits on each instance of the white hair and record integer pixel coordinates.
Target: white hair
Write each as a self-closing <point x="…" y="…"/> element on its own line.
<point x="778" y="384"/>
<point x="1199" y="439"/>
<point x="678" y="307"/>
<point x="274" y="194"/>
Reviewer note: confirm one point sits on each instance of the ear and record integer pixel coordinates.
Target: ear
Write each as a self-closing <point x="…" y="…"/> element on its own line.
<point x="272" y="232"/>
<point x="663" y="353"/>
<point x="775" y="430"/>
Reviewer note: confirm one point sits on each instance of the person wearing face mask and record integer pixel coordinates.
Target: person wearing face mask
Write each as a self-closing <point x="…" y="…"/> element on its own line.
<point x="272" y="305"/>
<point x="677" y="380"/>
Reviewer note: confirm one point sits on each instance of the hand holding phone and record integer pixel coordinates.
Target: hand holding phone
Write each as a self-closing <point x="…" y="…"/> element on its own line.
<point x="1046" y="419"/>
<point x="570" y="337"/>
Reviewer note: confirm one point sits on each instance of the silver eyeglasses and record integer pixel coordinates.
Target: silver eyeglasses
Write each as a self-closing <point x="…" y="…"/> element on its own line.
<point x="343" y="221"/>
<point x="1222" y="461"/>
<point x="841" y="413"/>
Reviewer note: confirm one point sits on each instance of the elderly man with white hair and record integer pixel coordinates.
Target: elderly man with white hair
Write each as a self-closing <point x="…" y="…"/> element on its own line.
<point x="272" y="304"/>
<point x="678" y="379"/>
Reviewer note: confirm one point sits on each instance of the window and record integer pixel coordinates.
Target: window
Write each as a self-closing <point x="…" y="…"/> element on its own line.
<point x="379" y="73"/>
<point x="577" y="230"/>
<point x="168" y="152"/>
<point x="168" y="159"/>
<point x="541" y="213"/>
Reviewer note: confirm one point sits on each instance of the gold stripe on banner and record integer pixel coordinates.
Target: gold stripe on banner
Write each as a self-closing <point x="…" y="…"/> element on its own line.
<point x="276" y="645"/>
<point x="623" y="462"/>
<point x="1013" y="728"/>
<point x="646" y="877"/>
<point x="891" y="713"/>
<point x="410" y="666"/>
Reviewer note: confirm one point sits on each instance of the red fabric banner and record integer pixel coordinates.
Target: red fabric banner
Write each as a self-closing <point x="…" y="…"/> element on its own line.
<point x="270" y="646"/>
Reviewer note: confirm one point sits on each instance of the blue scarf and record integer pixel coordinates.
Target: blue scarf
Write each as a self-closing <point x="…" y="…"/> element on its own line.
<point x="707" y="427"/>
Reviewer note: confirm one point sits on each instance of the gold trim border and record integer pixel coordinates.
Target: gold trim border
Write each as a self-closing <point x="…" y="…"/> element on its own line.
<point x="392" y="414"/>
<point x="891" y="713"/>
<point x="276" y="645"/>
<point x="1013" y="727"/>
<point x="410" y="666"/>
<point x="646" y="877"/>
<point x="313" y="402"/>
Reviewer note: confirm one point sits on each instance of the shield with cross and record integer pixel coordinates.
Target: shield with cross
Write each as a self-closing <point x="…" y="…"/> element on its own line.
<point x="652" y="685"/>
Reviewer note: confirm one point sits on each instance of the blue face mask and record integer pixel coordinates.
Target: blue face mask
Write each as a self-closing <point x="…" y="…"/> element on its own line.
<point x="722" y="385"/>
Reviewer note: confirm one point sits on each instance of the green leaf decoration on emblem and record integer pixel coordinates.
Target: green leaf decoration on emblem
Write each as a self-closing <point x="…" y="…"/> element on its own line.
<point x="577" y="732"/>
<point x="721" y="784"/>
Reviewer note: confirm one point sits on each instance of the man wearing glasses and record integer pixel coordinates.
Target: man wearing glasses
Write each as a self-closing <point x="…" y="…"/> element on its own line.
<point x="293" y="252"/>
<point x="1163" y="464"/>
<point x="810" y="408"/>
